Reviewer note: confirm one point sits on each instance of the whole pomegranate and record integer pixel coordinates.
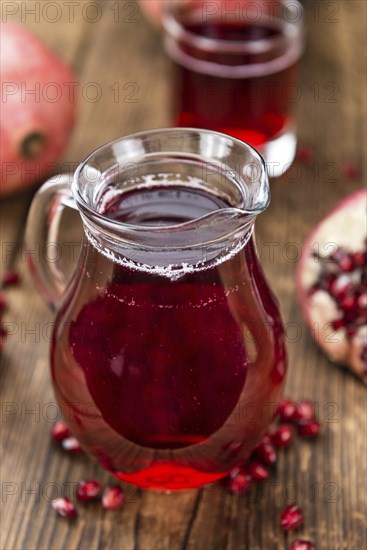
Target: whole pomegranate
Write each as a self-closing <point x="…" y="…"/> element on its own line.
<point x="38" y="107"/>
<point x="332" y="283"/>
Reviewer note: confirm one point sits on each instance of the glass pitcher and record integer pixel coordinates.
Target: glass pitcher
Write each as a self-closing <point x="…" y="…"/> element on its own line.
<point x="167" y="355"/>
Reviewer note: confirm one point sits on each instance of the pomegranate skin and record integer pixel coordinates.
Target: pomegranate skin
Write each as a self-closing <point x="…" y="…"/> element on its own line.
<point x="38" y="109"/>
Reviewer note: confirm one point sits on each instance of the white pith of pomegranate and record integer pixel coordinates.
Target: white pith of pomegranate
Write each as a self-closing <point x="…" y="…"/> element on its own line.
<point x="38" y="103"/>
<point x="332" y="283"/>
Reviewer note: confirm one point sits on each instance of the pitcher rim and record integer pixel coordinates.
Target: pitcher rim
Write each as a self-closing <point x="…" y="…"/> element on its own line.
<point x="91" y="210"/>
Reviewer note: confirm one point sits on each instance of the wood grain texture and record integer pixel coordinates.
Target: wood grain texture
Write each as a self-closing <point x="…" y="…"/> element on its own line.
<point x="328" y="477"/>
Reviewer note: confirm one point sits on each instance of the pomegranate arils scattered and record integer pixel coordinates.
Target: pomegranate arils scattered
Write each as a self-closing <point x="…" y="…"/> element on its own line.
<point x="258" y="470"/>
<point x="11" y="278"/>
<point x="283" y="436"/>
<point x="88" y="490"/>
<point x="60" y="431"/>
<point x="64" y="507"/>
<point x="239" y="481"/>
<point x="71" y="445"/>
<point x="291" y="517"/>
<point x="302" y="545"/>
<point x="113" y="497"/>
<point x="309" y="429"/>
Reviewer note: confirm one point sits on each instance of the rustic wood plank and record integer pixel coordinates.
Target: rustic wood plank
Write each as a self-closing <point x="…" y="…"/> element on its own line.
<point x="12" y="208"/>
<point x="333" y="468"/>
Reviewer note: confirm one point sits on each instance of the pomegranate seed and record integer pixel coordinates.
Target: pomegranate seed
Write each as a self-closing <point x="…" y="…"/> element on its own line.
<point x="258" y="470"/>
<point x="239" y="481"/>
<point x="71" y="445"/>
<point x="359" y="259"/>
<point x="88" y="490"/>
<point x="362" y="301"/>
<point x="309" y="429"/>
<point x="302" y="545"/>
<point x="266" y="438"/>
<point x="113" y="497"/>
<point x="337" y="324"/>
<point x="340" y="286"/>
<point x="291" y="517"/>
<point x="307" y="409"/>
<point x="347" y="302"/>
<point x="2" y="302"/>
<point x="350" y="170"/>
<point x="288" y="411"/>
<point x="283" y="436"/>
<point x="343" y="260"/>
<point x="266" y="453"/>
<point x="305" y="153"/>
<point x="346" y="264"/>
<point x="351" y="330"/>
<point x="11" y="278"/>
<point x="3" y="333"/>
<point x="60" y="431"/>
<point x="64" y="507"/>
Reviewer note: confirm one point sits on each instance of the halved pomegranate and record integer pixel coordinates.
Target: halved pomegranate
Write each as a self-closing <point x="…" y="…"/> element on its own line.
<point x="332" y="283"/>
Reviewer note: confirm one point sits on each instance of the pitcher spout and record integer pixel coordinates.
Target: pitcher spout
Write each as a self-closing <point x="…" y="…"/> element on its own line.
<point x="129" y="201"/>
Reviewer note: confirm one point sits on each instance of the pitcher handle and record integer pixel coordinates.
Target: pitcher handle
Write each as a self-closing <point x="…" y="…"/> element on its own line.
<point x="42" y="232"/>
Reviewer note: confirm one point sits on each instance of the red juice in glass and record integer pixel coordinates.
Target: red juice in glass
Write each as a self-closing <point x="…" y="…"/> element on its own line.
<point x="235" y="71"/>
<point x="158" y="367"/>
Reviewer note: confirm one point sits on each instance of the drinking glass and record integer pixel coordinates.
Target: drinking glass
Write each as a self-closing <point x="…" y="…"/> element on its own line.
<point x="235" y="70"/>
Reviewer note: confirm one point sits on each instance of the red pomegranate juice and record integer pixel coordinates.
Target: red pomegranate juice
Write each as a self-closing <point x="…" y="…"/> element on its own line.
<point x="149" y="371"/>
<point x="254" y="105"/>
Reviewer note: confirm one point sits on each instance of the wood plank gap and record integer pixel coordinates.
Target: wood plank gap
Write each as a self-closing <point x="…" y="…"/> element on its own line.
<point x="137" y="524"/>
<point x="192" y="520"/>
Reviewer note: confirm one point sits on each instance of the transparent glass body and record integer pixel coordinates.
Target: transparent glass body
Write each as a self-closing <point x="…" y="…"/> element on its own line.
<point x="168" y="355"/>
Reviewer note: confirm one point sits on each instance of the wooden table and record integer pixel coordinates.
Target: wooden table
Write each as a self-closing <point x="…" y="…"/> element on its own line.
<point x="329" y="477"/>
